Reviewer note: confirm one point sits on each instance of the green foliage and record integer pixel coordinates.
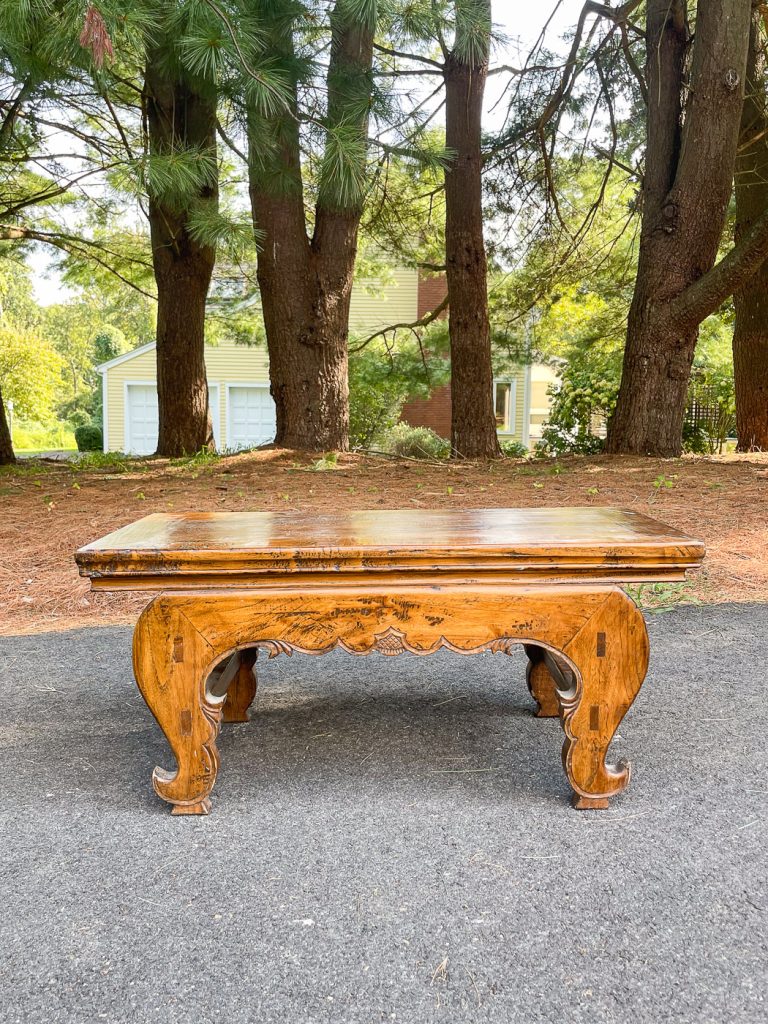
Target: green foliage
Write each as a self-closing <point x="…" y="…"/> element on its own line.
<point x="89" y="438"/>
<point x="656" y="598"/>
<point x="108" y="462"/>
<point x="415" y="443"/>
<point x="513" y="449"/>
<point x="405" y="215"/>
<point x="30" y="372"/>
<point x="31" y="436"/>
<point x="205" y="458"/>
<point x="329" y="461"/>
<point x="711" y="413"/>
<point x="384" y="375"/>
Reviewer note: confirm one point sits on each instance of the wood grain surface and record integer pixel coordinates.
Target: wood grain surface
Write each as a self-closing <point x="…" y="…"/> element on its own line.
<point x="236" y="548"/>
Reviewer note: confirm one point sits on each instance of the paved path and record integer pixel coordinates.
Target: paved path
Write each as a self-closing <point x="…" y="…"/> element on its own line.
<point x="391" y="840"/>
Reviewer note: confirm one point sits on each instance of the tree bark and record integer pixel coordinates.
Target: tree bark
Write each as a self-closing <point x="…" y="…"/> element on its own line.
<point x="306" y="284"/>
<point x="7" y="455"/>
<point x="686" y="192"/>
<point x="473" y="419"/>
<point x="750" y="336"/>
<point x="180" y="117"/>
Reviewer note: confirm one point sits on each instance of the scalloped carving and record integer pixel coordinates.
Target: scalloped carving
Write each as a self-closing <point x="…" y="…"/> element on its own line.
<point x="391" y="642"/>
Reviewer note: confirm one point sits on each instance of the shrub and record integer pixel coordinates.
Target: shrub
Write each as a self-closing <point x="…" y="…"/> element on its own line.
<point x="416" y="442"/>
<point x="31" y="436"/>
<point x="556" y="441"/>
<point x="513" y="449"/>
<point x="89" y="438"/>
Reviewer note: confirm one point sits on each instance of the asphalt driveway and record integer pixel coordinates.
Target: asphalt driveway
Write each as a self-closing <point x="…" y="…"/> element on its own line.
<point x="391" y="840"/>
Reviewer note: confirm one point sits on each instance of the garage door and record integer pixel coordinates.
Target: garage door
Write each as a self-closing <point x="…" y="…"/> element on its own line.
<point x="251" y="417"/>
<point x="141" y="417"/>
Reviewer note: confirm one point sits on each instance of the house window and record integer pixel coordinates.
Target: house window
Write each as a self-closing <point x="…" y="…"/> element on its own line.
<point x="504" y="405"/>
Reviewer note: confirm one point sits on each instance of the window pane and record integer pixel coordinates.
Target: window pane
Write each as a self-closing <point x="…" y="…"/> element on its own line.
<point x="502" y="405"/>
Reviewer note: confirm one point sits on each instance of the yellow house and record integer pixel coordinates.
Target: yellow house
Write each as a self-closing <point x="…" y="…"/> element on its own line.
<point x="242" y="410"/>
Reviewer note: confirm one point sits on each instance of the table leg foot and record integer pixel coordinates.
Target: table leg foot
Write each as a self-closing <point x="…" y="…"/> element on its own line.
<point x="171" y="661"/>
<point x="586" y="803"/>
<point x="202" y="807"/>
<point x="609" y="655"/>
<point x="242" y="689"/>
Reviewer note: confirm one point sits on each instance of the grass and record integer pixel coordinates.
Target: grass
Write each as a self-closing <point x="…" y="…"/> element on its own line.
<point x="656" y="598"/>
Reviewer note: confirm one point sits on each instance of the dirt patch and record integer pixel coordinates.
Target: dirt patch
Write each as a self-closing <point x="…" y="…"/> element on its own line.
<point x="47" y="511"/>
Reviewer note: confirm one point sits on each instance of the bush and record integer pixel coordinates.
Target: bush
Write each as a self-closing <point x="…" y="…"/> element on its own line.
<point x="89" y="438"/>
<point x="38" y="437"/>
<point x="416" y="443"/>
<point x="513" y="449"/>
<point x="558" y="441"/>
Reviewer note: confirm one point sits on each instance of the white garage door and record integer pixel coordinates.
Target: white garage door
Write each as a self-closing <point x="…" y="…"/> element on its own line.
<point x="141" y="417"/>
<point x="251" y="416"/>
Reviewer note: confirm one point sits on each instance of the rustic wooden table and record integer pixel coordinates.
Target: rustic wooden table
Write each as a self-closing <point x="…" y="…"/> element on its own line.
<point x="229" y="584"/>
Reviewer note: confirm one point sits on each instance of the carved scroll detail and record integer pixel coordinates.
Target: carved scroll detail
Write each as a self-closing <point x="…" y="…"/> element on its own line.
<point x="390" y="643"/>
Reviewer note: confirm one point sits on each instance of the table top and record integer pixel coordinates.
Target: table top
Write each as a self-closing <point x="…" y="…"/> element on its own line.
<point x="244" y="548"/>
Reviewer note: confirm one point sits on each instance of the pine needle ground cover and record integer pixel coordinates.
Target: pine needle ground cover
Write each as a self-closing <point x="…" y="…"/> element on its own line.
<point x="49" y="510"/>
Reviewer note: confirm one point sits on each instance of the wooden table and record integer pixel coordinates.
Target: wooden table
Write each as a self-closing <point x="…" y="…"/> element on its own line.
<point x="229" y="584"/>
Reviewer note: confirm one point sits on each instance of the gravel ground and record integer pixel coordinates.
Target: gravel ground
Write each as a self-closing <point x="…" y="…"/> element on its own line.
<point x="391" y="840"/>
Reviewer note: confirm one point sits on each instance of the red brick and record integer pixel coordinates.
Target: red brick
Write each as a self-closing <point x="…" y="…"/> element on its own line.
<point x="434" y="412"/>
<point x="431" y="292"/>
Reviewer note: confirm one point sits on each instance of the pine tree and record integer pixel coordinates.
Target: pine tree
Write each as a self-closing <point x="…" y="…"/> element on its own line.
<point x="473" y="422"/>
<point x="181" y="181"/>
<point x="305" y="270"/>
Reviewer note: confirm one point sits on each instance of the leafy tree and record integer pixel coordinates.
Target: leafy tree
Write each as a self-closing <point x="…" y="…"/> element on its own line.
<point x="30" y="372"/>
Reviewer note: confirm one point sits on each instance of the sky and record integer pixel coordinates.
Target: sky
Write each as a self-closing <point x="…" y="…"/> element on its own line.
<point x="521" y="22"/>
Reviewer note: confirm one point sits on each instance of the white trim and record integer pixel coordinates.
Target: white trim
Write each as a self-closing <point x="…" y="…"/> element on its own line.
<point x="512" y="381"/>
<point x="527" y="407"/>
<point x="126" y="419"/>
<point x="104" y="415"/>
<point x="102" y="367"/>
<point x="228" y="414"/>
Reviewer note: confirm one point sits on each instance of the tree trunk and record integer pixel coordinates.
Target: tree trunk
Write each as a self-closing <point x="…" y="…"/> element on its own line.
<point x="182" y="119"/>
<point x="306" y="284"/>
<point x="305" y="300"/>
<point x="7" y="456"/>
<point x="750" y="336"/>
<point x="473" y="418"/>
<point x="685" y="198"/>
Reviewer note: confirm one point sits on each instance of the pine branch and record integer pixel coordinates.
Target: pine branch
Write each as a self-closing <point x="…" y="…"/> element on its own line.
<point x="412" y="326"/>
<point x="410" y="56"/>
<point x="9" y="121"/>
<point x="75" y="246"/>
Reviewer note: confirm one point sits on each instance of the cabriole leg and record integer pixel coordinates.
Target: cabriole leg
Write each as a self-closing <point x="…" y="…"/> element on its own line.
<point x="610" y="653"/>
<point x="170" y="659"/>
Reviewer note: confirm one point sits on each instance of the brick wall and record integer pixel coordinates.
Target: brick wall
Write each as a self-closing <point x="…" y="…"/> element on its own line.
<point x="435" y="411"/>
<point x="432" y="291"/>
